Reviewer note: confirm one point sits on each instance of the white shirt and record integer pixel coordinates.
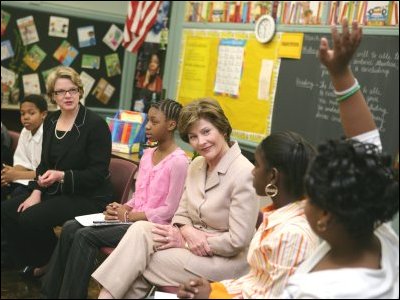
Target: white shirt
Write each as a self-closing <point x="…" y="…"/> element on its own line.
<point x="350" y="283"/>
<point x="371" y="137"/>
<point x="29" y="151"/>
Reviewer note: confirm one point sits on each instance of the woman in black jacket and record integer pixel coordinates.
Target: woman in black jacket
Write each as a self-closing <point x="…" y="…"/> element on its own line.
<point x="72" y="178"/>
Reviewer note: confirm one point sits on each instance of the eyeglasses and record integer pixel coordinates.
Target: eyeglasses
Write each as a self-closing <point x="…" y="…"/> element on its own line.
<point x="72" y="92"/>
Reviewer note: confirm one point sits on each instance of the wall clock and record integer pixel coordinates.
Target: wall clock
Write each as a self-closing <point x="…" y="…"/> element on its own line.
<point x="265" y="29"/>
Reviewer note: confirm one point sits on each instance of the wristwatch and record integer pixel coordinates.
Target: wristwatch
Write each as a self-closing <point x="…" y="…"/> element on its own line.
<point x="62" y="179"/>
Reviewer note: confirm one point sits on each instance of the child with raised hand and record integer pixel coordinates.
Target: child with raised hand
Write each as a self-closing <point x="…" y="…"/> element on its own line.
<point x="159" y="186"/>
<point x="14" y="179"/>
<point x="352" y="192"/>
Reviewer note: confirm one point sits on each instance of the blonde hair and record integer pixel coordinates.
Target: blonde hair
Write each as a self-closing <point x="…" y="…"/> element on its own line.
<point x="207" y="109"/>
<point x="63" y="72"/>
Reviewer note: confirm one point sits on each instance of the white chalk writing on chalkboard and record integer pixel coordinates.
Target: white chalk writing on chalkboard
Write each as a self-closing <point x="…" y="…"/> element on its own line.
<point x="305" y="101"/>
<point x="364" y="62"/>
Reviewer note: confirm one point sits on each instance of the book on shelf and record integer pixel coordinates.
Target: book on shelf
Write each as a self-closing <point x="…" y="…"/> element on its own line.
<point x="393" y="13"/>
<point x="217" y="14"/>
<point x="377" y="13"/>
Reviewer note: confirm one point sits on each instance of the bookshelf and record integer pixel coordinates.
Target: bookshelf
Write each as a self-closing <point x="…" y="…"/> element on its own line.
<point x="378" y="13"/>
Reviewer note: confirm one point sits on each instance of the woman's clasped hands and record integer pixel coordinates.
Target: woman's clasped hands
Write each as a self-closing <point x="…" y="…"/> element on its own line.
<point x="167" y="236"/>
<point x="49" y="177"/>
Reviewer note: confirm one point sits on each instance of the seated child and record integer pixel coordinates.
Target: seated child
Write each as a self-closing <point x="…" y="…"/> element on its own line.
<point x="14" y="179"/>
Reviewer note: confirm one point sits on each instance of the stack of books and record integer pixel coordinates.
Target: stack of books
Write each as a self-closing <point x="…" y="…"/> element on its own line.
<point x="127" y="131"/>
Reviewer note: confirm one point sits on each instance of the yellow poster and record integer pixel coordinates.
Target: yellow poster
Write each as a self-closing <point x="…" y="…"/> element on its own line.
<point x="249" y="115"/>
<point x="291" y="45"/>
<point x="195" y="68"/>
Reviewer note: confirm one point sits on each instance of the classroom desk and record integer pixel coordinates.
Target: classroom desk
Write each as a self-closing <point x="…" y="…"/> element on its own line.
<point x="134" y="157"/>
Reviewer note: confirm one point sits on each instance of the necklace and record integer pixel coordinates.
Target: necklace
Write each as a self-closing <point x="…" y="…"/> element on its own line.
<point x="65" y="133"/>
<point x="59" y="137"/>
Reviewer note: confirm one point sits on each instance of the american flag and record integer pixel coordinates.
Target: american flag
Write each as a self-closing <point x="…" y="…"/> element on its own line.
<point x="141" y="17"/>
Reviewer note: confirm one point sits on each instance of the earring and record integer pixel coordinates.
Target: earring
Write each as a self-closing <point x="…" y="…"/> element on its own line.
<point x="321" y="226"/>
<point x="271" y="190"/>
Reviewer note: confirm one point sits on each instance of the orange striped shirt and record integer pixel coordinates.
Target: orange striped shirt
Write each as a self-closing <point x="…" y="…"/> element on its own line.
<point x="281" y="243"/>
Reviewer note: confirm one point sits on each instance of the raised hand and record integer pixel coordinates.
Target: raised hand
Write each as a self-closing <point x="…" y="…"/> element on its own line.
<point x="345" y="45"/>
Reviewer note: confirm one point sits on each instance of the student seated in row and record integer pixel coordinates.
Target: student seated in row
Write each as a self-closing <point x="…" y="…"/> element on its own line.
<point x="212" y="228"/>
<point x="352" y="193"/>
<point x="336" y="209"/>
<point x="159" y="187"/>
<point x="15" y="179"/>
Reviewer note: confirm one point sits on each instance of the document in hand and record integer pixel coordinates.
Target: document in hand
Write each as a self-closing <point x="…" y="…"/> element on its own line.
<point x="97" y="220"/>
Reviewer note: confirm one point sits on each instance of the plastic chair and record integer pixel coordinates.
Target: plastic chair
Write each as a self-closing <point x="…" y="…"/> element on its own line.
<point x="122" y="174"/>
<point x="14" y="135"/>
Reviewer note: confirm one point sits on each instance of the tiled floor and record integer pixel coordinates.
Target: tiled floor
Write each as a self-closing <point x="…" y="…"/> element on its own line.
<point x="15" y="287"/>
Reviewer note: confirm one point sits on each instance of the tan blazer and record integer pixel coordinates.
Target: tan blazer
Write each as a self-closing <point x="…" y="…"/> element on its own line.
<point x="223" y="203"/>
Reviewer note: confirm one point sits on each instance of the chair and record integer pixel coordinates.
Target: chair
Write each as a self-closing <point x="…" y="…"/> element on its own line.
<point x="122" y="173"/>
<point x="14" y="135"/>
<point x="174" y="289"/>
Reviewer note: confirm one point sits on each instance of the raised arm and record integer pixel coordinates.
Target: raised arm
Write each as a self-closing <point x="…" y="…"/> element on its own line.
<point x="354" y="112"/>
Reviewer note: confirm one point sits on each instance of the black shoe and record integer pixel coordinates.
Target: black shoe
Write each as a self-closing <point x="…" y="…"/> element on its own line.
<point x="27" y="272"/>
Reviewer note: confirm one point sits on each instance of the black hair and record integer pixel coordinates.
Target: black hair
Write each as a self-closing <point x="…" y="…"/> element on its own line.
<point x="290" y="154"/>
<point x="153" y="77"/>
<point x="355" y="182"/>
<point x="38" y="100"/>
<point x="170" y="108"/>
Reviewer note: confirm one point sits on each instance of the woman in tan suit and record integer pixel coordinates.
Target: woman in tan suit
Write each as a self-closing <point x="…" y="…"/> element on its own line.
<point x="211" y="231"/>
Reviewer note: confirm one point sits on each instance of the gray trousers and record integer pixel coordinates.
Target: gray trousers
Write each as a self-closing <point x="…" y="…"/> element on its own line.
<point x="74" y="259"/>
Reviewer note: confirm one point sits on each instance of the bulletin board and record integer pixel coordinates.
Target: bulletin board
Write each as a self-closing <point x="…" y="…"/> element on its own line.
<point x="49" y="44"/>
<point x="249" y="115"/>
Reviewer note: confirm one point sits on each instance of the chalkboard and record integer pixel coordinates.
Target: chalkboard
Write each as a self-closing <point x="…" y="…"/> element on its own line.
<point x="305" y="101"/>
<point x="49" y="44"/>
